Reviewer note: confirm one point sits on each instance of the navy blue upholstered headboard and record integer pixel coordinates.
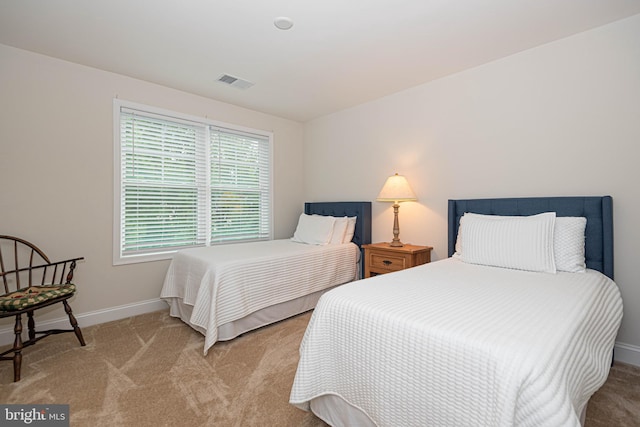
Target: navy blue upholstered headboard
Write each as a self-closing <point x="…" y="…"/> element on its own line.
<point x="361" y="210"/>
<point x="598" y="211"/>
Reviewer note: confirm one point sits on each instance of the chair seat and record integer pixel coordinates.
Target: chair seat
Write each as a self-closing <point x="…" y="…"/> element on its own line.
<point x="33" y="295"/>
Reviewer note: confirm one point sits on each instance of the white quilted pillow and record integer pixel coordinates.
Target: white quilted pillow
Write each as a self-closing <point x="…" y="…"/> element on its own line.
<point x="568" y="244"/>
<point x="522" y="243"/>
<point x="314" y="229"/>
<point x="351" y="229"/>
<point x="339" y="230"/>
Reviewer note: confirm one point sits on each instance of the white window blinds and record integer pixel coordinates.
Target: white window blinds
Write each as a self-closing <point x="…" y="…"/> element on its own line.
<point x="185" y="183"/>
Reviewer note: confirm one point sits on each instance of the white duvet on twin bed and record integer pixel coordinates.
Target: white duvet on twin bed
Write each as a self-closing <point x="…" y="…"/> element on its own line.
<point x="228" y="282"/>
<point x="450" y="343"/>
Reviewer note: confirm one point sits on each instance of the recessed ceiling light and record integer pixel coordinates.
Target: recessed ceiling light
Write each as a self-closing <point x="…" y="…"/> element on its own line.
<point x="283" y="23"/>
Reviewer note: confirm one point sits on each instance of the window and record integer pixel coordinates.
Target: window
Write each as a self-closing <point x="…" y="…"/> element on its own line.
<point x="183" y="182"/>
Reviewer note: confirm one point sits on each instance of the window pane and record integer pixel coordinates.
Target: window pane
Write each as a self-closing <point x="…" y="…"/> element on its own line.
<point x="160" y="217"/>
<point x="240" y="203"/>
<point x="159" y="184"/>
<point x="235" y="216"/>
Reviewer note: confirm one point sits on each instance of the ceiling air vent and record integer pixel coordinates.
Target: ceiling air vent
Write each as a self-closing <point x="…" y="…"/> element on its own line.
<point x="234" y="81"/>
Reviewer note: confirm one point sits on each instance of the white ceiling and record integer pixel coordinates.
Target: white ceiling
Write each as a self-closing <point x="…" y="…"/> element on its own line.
<point x="338" y="54"/>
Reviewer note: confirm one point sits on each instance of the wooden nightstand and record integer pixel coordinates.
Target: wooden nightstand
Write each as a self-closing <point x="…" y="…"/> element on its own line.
<point x="380" y="258"/>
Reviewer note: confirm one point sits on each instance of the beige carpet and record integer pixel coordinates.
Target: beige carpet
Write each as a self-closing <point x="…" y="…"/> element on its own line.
<point x="149" y="371"/>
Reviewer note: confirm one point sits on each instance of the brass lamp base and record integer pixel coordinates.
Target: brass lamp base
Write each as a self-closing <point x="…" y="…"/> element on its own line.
<point x="396" y="243"/>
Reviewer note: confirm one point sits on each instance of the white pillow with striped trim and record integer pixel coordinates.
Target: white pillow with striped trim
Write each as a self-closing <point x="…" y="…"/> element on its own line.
<point x="521" y="243"/>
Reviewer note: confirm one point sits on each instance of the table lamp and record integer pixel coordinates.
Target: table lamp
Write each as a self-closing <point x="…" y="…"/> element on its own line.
<point x="396" y="189"/>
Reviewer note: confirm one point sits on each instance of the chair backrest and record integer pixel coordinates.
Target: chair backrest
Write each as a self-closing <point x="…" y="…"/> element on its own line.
<point x="17" y="259"/>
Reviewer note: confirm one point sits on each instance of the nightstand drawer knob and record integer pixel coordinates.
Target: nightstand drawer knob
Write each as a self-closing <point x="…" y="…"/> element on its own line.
<point x="387" y="262"/>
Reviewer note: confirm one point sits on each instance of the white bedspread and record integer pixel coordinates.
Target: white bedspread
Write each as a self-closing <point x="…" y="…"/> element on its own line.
<point x="450" y="343"/>
<point x="226" y="283"/>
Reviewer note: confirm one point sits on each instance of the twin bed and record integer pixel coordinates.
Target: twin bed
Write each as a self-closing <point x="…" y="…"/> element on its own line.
<point x="224" y="291"/>
<point x="517" y="327"/>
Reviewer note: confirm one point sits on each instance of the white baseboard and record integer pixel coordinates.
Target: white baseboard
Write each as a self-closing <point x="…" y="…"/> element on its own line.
<point x="93" y="317"/>
<point x="627" y="353"/>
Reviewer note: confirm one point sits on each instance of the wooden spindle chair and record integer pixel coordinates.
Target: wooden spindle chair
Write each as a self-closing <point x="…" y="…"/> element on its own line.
<point x="31" y="282"/>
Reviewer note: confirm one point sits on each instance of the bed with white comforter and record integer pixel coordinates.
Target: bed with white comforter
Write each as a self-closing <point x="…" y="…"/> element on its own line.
<point x="224" y="291"/>
<point x="213" y="286"/>
<point x="450" y="343"/>
<point x="516" y="329"/>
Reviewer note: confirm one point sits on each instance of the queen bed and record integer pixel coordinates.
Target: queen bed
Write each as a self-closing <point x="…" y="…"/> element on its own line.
<point x="517" y="327"/>
<point x="224" y="291"/>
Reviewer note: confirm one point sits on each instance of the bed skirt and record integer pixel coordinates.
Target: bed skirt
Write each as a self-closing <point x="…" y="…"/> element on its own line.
<point x="258" y="319"/>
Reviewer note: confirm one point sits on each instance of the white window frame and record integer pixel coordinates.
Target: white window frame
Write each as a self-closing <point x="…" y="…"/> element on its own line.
<point x="204" y="218"/>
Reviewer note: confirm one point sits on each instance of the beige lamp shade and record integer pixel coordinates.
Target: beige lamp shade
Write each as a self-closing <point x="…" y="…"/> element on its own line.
<point x="396" y="189"/>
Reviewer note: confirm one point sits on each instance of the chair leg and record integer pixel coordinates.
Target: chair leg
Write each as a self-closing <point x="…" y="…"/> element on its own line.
<point x="17" y="348"/>
<point x="31" y="325"/>
<point x="74" y="323"/>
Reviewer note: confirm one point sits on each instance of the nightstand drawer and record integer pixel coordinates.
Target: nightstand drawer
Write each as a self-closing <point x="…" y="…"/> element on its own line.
<point x="387" y="262"/>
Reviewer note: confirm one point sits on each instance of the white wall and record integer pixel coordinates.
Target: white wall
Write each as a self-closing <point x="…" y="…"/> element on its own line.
<point x="560" y="119"/>
<point x="56" y="169"/>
